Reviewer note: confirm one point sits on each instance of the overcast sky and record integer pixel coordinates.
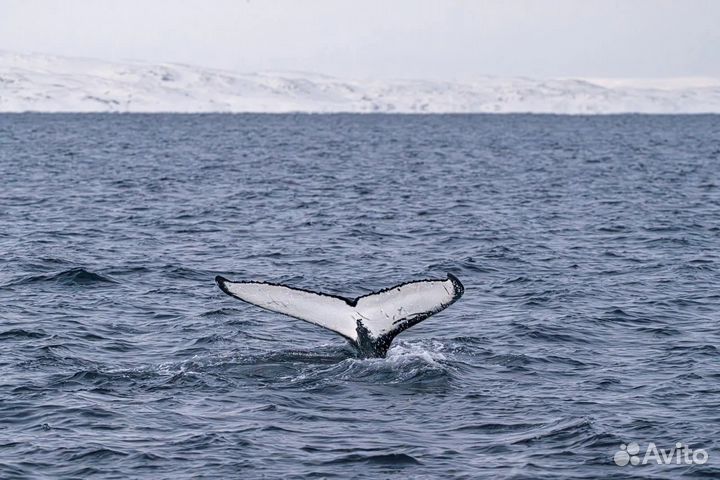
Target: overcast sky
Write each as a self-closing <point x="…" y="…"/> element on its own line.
<point x="438" y="39"/>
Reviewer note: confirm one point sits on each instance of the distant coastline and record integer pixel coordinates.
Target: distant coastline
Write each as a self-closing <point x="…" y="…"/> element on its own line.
<point x="47" y="83"/>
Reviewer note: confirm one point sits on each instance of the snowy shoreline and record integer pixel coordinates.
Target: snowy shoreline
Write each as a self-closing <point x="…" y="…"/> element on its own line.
<point x="44" y="83"/>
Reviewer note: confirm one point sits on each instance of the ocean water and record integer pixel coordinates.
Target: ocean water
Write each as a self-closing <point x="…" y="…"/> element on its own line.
<point x="589" y="248"/>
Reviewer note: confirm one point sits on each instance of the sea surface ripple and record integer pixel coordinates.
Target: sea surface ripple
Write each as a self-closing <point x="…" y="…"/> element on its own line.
<point x="589" y="248"/>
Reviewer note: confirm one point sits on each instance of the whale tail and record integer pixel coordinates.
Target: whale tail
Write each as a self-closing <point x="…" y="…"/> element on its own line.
<point x="369" y="322"/>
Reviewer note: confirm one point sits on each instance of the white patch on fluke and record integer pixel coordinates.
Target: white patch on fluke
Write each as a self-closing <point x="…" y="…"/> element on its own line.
<point x="370" y="322"/>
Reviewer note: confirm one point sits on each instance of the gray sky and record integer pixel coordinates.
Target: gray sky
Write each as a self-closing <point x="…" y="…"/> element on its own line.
<point x="438" y="39"/>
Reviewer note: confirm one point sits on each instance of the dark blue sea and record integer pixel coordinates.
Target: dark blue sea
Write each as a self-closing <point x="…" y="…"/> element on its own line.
<point x="589" y="248"/>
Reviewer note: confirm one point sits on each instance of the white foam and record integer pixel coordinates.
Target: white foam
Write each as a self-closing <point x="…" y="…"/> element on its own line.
<point x="430" y="352"/>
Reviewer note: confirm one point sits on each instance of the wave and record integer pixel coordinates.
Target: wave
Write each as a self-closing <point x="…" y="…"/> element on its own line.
<point x="386" y="459"/>
<point x="221" y="312"/>
<point x="20" y="333"/>
<point x="408" y="365"/>
<point x="569" y="429"/>
<point x="77" y="276"/>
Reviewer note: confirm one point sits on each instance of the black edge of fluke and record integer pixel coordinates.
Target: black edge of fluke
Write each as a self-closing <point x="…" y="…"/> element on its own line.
<point x="220" y="280"/>
<point x="221" y="283"/>
<point x="457" y="285"/>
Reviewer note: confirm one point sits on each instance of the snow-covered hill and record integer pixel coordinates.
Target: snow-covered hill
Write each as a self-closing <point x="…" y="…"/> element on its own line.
<point x="34" y="82"/>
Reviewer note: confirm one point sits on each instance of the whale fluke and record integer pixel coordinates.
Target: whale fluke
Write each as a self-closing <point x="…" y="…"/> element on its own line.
<point x="369" y="322"/>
